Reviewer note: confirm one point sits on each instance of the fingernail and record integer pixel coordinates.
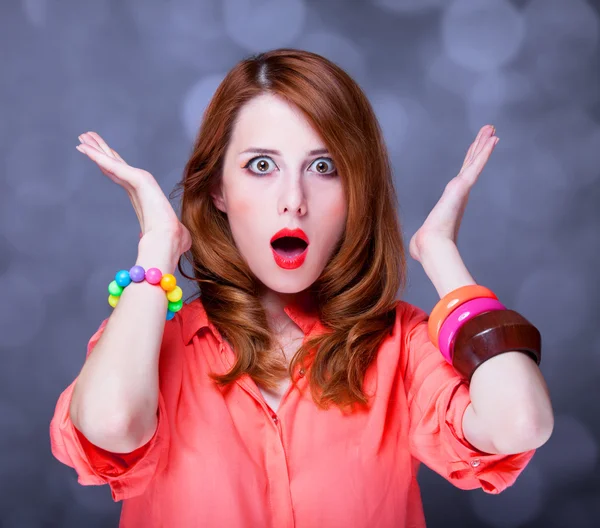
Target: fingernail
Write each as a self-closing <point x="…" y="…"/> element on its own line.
<point x="80" y="149"/>
<point x="496" y="142"/>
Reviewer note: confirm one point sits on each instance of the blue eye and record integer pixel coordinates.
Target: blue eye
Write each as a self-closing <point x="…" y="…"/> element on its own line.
<point x="322" y="166"/>
<point x="262" y="166"/>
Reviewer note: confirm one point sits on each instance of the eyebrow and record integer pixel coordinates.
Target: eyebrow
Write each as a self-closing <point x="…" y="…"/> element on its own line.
<point x="277" y="153"/>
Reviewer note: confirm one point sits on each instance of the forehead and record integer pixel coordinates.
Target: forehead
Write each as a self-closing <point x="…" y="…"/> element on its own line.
<point x="268" y="119"/>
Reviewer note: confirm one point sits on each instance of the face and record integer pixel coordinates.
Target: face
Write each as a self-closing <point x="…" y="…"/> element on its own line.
<point x="295" y="184"/>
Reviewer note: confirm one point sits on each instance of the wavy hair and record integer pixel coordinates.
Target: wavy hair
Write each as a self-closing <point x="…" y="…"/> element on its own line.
<point x="355" y="293"/>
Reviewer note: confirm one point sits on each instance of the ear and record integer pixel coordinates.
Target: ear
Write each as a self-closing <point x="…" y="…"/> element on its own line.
<point x="218" y="200"/>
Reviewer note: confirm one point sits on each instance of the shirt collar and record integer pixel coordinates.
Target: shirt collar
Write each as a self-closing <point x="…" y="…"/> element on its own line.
<point x="195" y="318"/>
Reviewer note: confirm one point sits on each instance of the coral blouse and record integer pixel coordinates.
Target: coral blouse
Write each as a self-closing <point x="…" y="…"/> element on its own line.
<point x="223" y="457"/>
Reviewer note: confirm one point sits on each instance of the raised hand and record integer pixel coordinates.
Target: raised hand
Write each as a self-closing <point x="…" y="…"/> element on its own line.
<point x="153" y="209"/>
<point x="443" y="222"/>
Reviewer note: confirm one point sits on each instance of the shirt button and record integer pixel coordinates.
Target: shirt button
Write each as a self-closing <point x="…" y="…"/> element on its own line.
<point x="475" y="463"/>
<point x="302" y="372"/>
<point x="275" y="419"/>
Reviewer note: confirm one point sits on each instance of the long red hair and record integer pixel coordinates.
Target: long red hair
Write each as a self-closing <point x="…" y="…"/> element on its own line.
<point x="356" y="291"/>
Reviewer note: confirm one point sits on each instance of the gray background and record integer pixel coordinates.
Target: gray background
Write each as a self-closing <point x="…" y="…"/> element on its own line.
<point x="141" y="73"/>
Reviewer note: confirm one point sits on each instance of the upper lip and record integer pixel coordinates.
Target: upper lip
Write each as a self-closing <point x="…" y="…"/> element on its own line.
<point x="287" y="232"/>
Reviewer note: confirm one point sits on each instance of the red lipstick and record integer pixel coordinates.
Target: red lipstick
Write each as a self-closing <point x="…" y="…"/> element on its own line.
<point x="290" y="258"/>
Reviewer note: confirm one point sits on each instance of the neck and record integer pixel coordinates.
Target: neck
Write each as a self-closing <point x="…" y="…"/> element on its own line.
<point x="274" y="304"/>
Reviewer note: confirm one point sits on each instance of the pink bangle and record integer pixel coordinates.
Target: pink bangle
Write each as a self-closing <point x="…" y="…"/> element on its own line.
<point x="459" y="317"/>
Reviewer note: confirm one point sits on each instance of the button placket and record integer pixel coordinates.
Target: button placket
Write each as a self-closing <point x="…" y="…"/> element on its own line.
<point x="278" y="477"/>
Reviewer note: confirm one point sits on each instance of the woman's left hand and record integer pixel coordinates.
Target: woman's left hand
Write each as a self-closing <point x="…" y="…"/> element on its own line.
<point x="444" y="219"/>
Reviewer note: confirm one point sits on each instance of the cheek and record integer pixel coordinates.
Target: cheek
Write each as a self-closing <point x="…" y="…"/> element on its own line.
<point x="336" y="212"/>
<point x="239" y="208"/>
<point x="338" y="209"/>
<point x="241" y="203"/>
<point x="241" y="198"/>
<point x="244" y="218"/>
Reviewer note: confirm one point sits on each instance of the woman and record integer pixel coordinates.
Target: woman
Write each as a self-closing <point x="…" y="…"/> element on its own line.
<point x="297" y="391"/>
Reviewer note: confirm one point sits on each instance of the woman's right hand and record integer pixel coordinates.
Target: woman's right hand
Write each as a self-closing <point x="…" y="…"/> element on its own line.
<point x="153" y="209"/>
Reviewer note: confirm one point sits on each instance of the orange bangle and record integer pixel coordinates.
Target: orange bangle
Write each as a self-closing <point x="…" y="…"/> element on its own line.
<point x="451" y="302"/>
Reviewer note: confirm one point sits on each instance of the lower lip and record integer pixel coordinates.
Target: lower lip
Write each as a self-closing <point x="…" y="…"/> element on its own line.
<point x="291" y="262"/>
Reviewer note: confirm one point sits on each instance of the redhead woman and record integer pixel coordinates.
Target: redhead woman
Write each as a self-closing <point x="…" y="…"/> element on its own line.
<point x="296" y="388"/>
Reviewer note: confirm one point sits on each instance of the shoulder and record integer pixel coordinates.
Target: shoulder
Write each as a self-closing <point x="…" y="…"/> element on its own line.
<point x="408" y="318"/>
<point x="408" y="327"/>
<point x="411" y="334"/>
<point x="191" y="309"/>
<point x="189" y="320"/>
<point x="177" y="334"/>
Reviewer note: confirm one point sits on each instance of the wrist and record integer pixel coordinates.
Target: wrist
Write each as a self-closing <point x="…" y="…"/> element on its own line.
<point x="443" y="265"/>
<point x="157" y="254"/>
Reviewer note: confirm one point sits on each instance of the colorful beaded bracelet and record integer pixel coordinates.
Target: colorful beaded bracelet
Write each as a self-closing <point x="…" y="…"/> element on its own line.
<point x="167" y="282"/>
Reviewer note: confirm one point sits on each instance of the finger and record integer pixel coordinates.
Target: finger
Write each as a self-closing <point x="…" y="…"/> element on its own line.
<point x="469" y="154"/>
<point x="116" y="154"/>
<point x="118" y="172"/>
<point x="87" y="140"/>
<point x="92" y="144"/>
<point x="101" y="143"/>
<point x="486" y="132"/>
<point x="484" y="155"/>
<point x="93" y="139"/>
<point x="105" y="147"/>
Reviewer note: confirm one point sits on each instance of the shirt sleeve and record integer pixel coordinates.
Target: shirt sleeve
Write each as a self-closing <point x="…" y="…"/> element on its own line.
<point x="127" y="474"/>
<point x="437" y="399"/>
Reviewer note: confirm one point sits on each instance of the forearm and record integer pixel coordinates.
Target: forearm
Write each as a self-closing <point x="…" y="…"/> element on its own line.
<point x="510" y="409"/>
<point x="115" y="398"/>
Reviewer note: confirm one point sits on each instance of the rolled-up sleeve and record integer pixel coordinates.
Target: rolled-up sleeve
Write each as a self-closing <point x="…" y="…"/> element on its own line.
<point x="127" y="474"/>
<point x="437" y="399"/>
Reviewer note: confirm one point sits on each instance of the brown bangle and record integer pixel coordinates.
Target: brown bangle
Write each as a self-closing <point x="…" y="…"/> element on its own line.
<point x="493" y="333"/>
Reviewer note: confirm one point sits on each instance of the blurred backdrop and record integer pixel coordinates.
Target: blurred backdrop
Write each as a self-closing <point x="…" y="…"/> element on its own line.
<point x="141" y="73"/>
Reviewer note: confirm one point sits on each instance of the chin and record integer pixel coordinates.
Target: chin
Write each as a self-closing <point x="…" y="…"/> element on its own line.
<point x="287" y="281"/>
<point x="287" y="284"/>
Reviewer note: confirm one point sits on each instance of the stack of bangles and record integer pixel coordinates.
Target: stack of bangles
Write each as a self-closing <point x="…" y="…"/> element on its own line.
<point x="470" y="326"/>
<point x="167" y="282"/>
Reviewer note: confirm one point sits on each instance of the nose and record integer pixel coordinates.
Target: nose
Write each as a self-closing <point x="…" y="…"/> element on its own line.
<point x="293" y="198"/>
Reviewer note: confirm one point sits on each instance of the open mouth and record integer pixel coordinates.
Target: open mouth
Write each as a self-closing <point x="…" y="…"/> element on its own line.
<point x="289" y="247"/>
